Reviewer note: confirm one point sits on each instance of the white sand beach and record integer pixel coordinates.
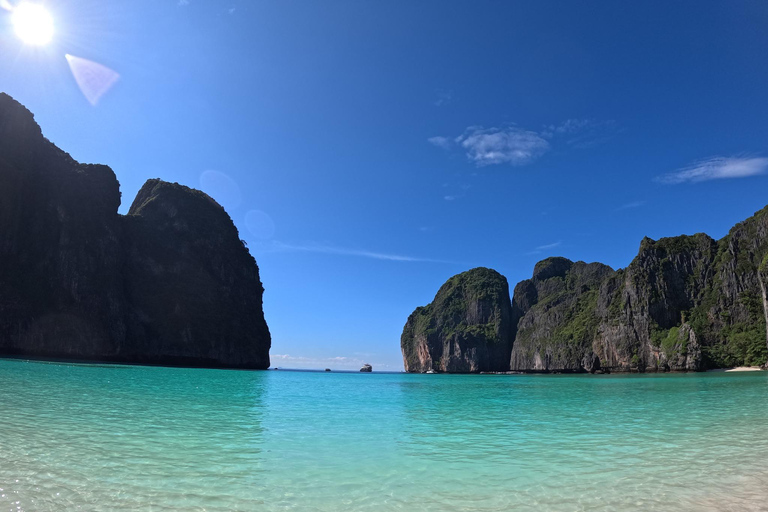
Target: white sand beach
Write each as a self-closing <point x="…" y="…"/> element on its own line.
<point x="740" y="369"/>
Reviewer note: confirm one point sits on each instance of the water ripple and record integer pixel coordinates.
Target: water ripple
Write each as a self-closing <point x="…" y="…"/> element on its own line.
<point x="88" y="437"/>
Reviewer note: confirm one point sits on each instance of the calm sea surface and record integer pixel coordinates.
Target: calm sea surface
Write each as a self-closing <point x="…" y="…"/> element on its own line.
<point x="78" y="437"/>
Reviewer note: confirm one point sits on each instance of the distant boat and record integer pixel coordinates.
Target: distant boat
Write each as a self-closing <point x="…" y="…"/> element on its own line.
<point x="366" y="368"/>
<point x="431" y="371"/>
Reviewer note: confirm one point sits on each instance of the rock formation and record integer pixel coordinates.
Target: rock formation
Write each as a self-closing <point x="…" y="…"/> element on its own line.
<point x="684" y="303"/>
<point x="169" y="283"/>
<point x="554" y="312"/>
<point x="467" y="328"/>
<point x="366" y="368"/>
<point x="642" y="308"/>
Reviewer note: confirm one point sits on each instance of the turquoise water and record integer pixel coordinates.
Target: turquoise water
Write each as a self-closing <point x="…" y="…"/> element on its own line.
<point x="76" y="437"/>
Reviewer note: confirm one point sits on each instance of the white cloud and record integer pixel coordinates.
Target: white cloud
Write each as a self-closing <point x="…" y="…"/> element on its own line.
<point x="717" y="168"/>
<point x="582" y="133"/>
<point x="449" y="198"/>
<point x="569" y="126"/>
<point x="517" y="146"/>
<point x="443" y="97"/>
<point x="545" y="247"/>
<point x="341" y="251"/>
<point x="497" y="146"/>
<point x="549" y="246"/>
<point x="632" y="204"/>
<point x="441" y="142"/>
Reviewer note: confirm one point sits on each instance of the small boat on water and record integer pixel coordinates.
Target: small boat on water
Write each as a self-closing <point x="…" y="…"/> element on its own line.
<point x="431" y="371"/>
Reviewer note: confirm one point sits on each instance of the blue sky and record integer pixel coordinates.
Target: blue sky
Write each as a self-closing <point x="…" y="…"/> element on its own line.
<point x="367" y="151"/>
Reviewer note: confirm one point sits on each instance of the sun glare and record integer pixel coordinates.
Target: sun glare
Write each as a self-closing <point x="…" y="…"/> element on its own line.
<point x="33" y="23"/>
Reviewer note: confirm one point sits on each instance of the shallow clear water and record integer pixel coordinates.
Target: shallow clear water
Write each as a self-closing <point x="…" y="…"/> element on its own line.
<point x="76" y="437"/>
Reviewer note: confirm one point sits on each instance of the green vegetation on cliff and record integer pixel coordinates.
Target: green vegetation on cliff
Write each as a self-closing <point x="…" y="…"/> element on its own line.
<point x="558" y="322"/>
<point x="683" y="303"/>
<point x="466" y="328"/>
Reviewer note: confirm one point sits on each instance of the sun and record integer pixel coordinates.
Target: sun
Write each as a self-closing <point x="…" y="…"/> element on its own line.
<point x="33" y="23"/>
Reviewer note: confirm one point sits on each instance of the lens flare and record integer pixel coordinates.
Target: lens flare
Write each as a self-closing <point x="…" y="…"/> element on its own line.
<point x="94" y="79"/>
<point x="260" y="224"/>
<point x="33" y="23"/>
<point x="222" y="188"/>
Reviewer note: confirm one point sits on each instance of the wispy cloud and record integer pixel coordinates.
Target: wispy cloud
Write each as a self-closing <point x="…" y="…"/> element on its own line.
<point x="441" y="142"/>
<point x="449" y="198"/>
<point x="582" y="133"/>
<point x="342" y="251"/>
<point x="443" y="97"/>
<point x="182" y="3"/>
<point x="630" y="205"/>
<point x="717" y="168"/>
<point x="545" y="247"/>
<point x="549" y="246"/>
<point x="572" y="126"/>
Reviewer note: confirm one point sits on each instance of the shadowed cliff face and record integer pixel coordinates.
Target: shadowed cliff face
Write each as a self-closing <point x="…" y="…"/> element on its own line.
<point x="643" y="307"/>
<point x="684" y="303"/>
<point x="466" y="329"/>
<point x="170" y="283"/>
<point x="555" y="316"/>
<point x="59" y="246"/>
<point x="192" y="282"/>
<point x="689" y="303"/>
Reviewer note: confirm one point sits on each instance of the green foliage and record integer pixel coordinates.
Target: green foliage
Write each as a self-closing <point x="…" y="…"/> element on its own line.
<point x="670" y="344"/>
<point x="742" y="343"/>
<point x="699" y="316"/>
<point x="667" y="340"/>
<point x="764" y="264"/>
<point x="749" y="346"/>
<point x="657" y="335"/>
<point x="753" y="303"/>
<point x="553" y="299"/>
<point x="485" y="331"/>
<point x="739" y="342"/>
<point x="744" y="266"/>
<point x="581" y="322"/>
<point x="616" y="304"/>
<point x="710" y="284"/>
<point x="447" y="314"/>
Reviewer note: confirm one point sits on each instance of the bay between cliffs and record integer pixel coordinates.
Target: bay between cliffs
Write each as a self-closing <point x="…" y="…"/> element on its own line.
<point x="90" y="437"/>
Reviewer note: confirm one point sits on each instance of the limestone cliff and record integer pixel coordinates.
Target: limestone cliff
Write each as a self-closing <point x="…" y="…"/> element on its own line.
<point x="554" y="312"/>
<point x="467" y="328"/>
<point x="170" y="283"/>
<point x="684" y="303"/>
<point x="643" y="307"/>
